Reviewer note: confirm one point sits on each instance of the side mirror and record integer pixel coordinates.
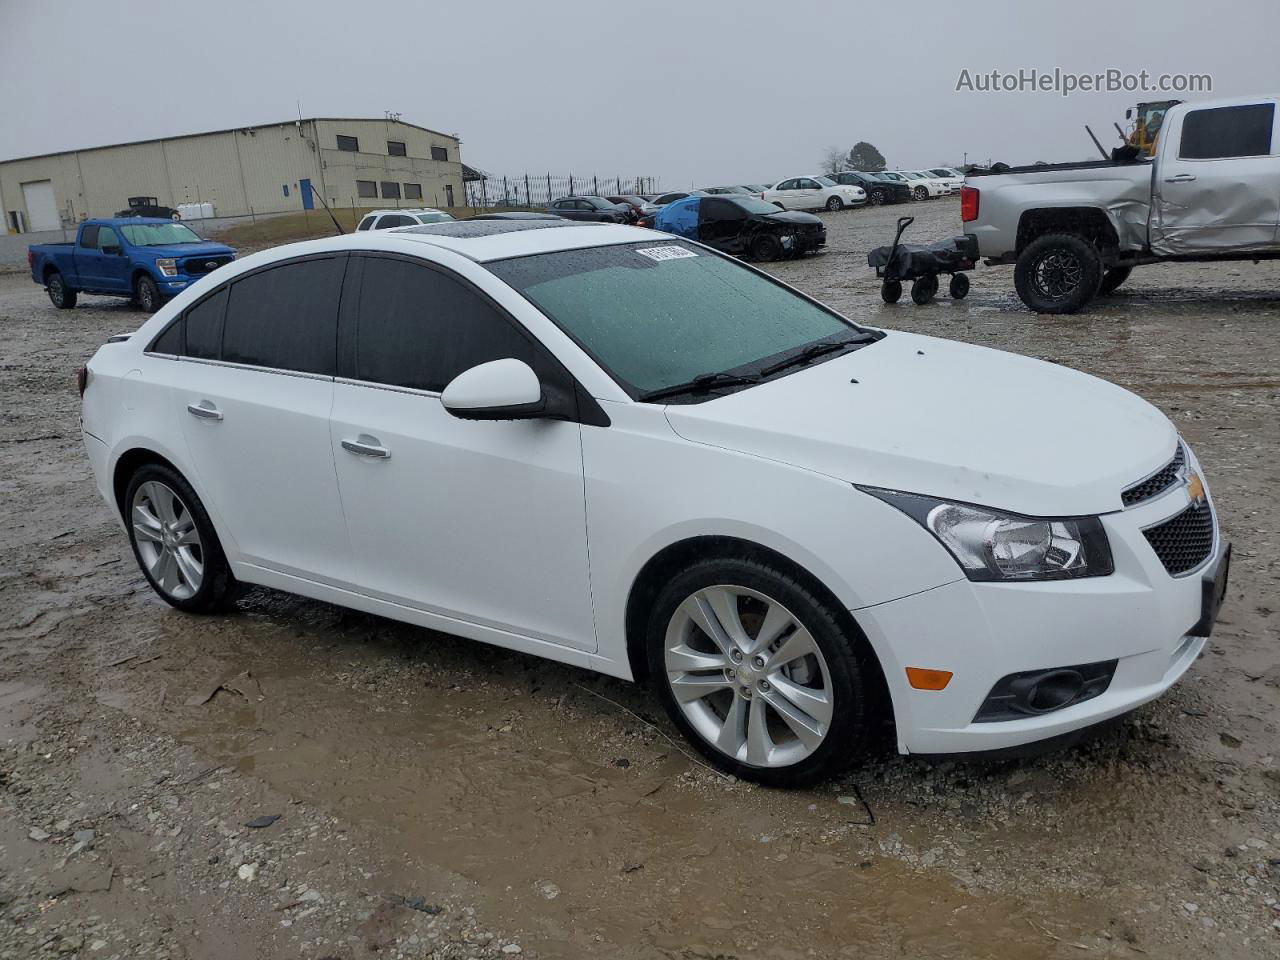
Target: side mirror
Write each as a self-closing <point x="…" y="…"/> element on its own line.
<point x="497" y="390"/>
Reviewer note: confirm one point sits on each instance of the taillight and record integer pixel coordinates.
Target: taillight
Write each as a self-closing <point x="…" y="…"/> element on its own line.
<point x="31" y="258"/>
<point x="968" y="204"/>
<point x="82" y="379"/>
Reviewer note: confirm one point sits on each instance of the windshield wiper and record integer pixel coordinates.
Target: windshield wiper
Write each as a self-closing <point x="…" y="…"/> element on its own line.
<point x="701" y="383"/>
<point x="815" y="350"/>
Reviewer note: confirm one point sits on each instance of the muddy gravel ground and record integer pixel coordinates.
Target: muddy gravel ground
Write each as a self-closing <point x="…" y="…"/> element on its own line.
<point x="437" y="798"/>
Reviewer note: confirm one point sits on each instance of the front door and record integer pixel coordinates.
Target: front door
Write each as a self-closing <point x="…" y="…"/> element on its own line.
<point x="1217" y="186"/>
<point x="476" y="521"/>
<point x="256" y="418"/>
<point x="308" y="201"/>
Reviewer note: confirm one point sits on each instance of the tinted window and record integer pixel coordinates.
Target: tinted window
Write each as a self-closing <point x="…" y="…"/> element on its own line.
<point x="395" y="220"/>
<point x="420" y="328"/>
<point x="204" y="327"/>
<point x="107" y="238"/>
<point x="170" y="341"/>
<point x="350" y="144"/>
<point x="1227" y="132"/>
<point x="89" y="237"/>
<point x="716" y="209"/>
<point x="286" y="318"/>
<point x="366" y="223"/>
<point x="395" y="148"/>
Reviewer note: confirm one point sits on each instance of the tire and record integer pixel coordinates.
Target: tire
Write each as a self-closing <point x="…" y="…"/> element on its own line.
<point x="146" y="294"/>
<point x="920" y="193"/>
<point x="834" y="204"/>
<point x="1113" y="278"/>
<point x="60" y="295"/>
<point x="766" y="247"/>
<point x="832" y="676"/>
<point x="891" y="291"/>
<point x="876" y="198"/>
<point x="182" y="531"/>
<point x="924" y="289"/>
<point x="175" y="216"/>
<point x="959" y="286"/>
<point x="1058" y="273"/>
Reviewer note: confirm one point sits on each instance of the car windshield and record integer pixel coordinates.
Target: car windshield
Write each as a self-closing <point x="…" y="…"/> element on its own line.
<point x="433" y="217"/>
<point x="825" y="181"/>
<point x="656" y="315"/>
<point x="158" y="234"/>
<point x="754" y="204"/>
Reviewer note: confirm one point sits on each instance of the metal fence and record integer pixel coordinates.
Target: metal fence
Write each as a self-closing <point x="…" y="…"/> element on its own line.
<point x="539" y="189"/>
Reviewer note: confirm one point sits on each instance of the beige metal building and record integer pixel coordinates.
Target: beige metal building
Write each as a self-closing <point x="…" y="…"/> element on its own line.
<point x="270" y="168"/>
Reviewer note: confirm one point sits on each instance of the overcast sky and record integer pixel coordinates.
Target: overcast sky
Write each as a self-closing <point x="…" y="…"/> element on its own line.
<point x="690" y="91"/>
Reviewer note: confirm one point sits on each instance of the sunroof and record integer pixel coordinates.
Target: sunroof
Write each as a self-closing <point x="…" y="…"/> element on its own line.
<point x="485" y="228"/>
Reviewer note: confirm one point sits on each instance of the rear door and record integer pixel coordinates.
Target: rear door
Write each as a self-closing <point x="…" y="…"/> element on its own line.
<point x="255" y="406"/>
<point x="1217" y="181"/>
<point x="720" y="223"/>
<point x="475" y="521"/>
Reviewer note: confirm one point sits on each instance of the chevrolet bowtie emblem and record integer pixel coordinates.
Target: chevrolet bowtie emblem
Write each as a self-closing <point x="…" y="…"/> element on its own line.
<point x="1195" y="489"/>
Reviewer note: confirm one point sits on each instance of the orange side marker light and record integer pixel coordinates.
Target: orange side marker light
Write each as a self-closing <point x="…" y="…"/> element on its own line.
<point x="922" y="679"/>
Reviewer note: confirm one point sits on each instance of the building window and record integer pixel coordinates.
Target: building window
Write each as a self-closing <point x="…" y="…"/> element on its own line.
<point x="390" y="191"/>
<point x="349" y="144"/>
<point x="395" y="149"/>
<point x="366" y="188"/>
<point x="413" y="191"/>
<point x="439" y="153"/>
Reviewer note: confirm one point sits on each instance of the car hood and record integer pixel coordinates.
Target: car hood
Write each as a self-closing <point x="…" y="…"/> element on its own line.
<point x="791" y="216"/>
<point x="950" y="420"/>
<point x="184" y="250"/>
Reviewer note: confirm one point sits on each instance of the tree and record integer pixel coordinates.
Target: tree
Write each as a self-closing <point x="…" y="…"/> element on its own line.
<point x="864" y="156"/>
<point x="833" y="160"/>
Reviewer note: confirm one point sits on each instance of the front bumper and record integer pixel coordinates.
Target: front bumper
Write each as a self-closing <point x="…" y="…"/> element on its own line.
<point x="1139" y="616"/>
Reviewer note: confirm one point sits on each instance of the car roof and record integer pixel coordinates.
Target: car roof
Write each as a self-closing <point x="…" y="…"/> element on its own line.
<point x="376" y="213"/>
<point x="125" y="221"/>
<point x="485" y="240"/>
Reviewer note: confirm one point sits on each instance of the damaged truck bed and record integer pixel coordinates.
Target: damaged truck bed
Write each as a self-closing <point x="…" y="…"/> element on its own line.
<point x="1073" y="230"/>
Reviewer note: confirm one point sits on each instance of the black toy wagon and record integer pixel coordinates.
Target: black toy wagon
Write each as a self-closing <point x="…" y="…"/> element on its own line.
<point x="920" y="263"/>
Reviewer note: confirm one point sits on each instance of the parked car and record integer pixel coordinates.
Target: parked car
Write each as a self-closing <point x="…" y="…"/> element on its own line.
<point x="145" y="259"/>
<point x="721" y="191"/>
<point x="591" y="209"/>
<point x="148" y="207"/>
<point x="516" y="215"/>
<point x="814" y="193"/>
<point x="660" y="201"/>
<point x="951" y="177"/>
<point x="643" y="458"/>
<point x="946" y="183"/>
<point x="632" y="202"/>
<point x="386" y="219"/>
<point x="744" y="225"/>
<point x="921" y="189"/>
<point x="878" y="191"/>
<point x="1074" y="230"/>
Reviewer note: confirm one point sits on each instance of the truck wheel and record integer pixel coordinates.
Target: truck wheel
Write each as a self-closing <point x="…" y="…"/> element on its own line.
<point x="766" y="247"/>
<point x="1058" y="273"/>
<point x="147" y="295"/>
<point x="891" y="291"/>
<point x="959" y="286"/>
<point x="1113" y="278"/>
<point x="834" y="204"/>
<point x="924" y="289"/>
<point x="60" y="295"/>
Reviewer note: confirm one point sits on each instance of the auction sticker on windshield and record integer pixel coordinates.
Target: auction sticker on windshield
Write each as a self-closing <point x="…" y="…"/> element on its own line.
<point x="665" y="253"/>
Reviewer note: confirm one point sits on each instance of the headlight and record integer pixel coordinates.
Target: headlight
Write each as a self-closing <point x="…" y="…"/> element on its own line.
<point x="168" y="266"/>
<point x="993" y="545"/>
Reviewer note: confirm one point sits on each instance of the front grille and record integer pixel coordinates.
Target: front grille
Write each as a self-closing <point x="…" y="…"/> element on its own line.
<point x="1158" y="482"/>
<point x="1185" y="540"/>
<point x="198" y="266"/>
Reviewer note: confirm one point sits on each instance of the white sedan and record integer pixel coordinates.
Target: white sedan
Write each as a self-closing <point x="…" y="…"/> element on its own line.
<point x="630" y="453"/>
<point x="922" y="188"/>
<point x="814" y="193"/>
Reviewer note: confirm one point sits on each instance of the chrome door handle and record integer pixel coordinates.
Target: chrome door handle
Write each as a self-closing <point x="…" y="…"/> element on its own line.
<point x="1180" y="178"/>
<point x="205" y="410"/>
<point x="366" y="446"/>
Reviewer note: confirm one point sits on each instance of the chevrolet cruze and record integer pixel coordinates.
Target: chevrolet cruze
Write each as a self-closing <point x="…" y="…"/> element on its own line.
<point x="627" y="452"/>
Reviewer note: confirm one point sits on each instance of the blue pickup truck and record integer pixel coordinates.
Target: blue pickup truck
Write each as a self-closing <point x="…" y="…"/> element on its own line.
<point x="143" y="258"/>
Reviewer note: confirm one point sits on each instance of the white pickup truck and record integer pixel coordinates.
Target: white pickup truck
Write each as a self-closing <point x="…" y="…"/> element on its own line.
<point x="1074" y="230"/>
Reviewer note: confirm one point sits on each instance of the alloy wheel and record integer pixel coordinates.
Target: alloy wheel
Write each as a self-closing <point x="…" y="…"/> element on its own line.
<point x="56" y="289"/>
<point x="748" y="676"/>
<point x="1057" y="274"/>
<point x="168" y="540"/>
